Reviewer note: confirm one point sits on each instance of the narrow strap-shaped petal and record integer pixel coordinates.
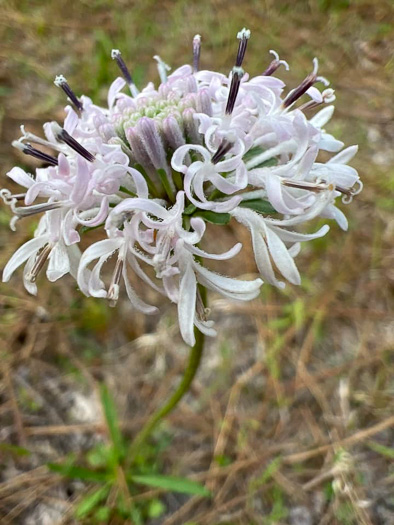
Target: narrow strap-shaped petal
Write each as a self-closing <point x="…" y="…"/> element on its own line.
<point x="117" y="85"/>
<point x="146" y="205"/>
<point x="96" y="285"/>
<point x="281" y="257"/>
<point x="68" y="227"/>
<point x="255" y="224"/>
<point x="100" y="216"/>
<point x="81" y="183"/>
<point x="134" y="264"/>
<point x="275" y="190"/>
<point x="22" y="178"/>
<point x="321" y="202"/>
<point x="331" y="212"/>
<point x="59" y="263"/>
<point x="322" y="117"/>
<point x="187" y="304"/>
<point x="263" y="260"/>
<point x="71" y="120"/>
<point x="205" y="327"/>
<point x="290" y="236"/>
<point x="177" y="161"/>
<point x="344" y="156"/>
<point x="106" y="247"/>
<point x="136" y="301"/>
<point x="22" y="254"/>
<point x="140" y="183"/>
<point x="237" y="287"/>
<point x="216" y="256"/>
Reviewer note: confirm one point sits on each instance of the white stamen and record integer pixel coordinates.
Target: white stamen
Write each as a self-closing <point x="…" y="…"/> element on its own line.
<point x="162" y="68"/>
<point x="18" y="145"/>
<point x="244" y="33"/>
<point x="239" y="71"/>
<point x="31" y="137"/>
<point x="328" y="96"/>
<point x="283" y="62"/>
<point x="39" y="263"/>
<point x="60" y="80"/>
<point x="315" y="66"/>
<point x="7" y="196"/>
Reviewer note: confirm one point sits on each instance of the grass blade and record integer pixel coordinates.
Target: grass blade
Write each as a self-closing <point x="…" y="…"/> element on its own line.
<point x="172" y="483"/>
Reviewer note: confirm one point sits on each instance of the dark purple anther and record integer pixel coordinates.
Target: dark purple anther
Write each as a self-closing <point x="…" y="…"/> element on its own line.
<point x="222" y="150"/>
<point x="308" y="82"/>
<point x="274" y="64"/>
<point x="60" y="81"/>
<point x="238" y="73"/>
<point x="196" y="53"/>
<point x="243" y="37"/>
<point x="36" y="153"/>
<point x="63" y="136"/>
<point x="117" y="55"/>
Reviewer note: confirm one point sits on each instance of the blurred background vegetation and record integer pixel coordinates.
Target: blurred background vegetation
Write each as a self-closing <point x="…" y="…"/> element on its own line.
<point x="290" y="419"/>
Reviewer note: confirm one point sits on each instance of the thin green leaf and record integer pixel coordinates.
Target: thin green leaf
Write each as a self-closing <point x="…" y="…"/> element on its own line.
<point x="111" y="418"/>
<point x="88" y="503"/>
<point x="102" y="514"/>
<point x="172" y="483"/>
<point x="258" y="205"/>
<point x="75" y="472"/>
<point x="272" y="467"/>
<point x="14" y="449"/>
<point x="388" y="452"/>
<point x="214" y="218"/>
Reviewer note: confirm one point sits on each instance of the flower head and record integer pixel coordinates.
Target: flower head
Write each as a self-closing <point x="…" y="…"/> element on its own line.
<point x="158" y="163"/>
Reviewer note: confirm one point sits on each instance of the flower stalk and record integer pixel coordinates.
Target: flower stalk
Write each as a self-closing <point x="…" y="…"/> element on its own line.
<point x="194" y="361"/>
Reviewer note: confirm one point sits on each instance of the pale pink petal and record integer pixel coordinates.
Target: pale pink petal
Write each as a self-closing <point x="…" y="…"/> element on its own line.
<point x="187" y="304"/>
<point x="22" y="254"/>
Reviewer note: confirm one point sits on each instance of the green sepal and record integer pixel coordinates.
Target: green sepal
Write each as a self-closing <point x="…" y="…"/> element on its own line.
<point x="213" y="217"/>
<point x="259" y="205"/>
<point x="189" y="209"/>
<point x="254" y="152"/>
<point x="166" y="184"/>
<point x="123" y="189"/>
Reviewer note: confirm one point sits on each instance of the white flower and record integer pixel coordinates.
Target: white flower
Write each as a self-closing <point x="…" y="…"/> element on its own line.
<point x="158" y="163"/>
<point x="47" y="244"/>
<point x="268" y="240"/>
<point x="210" y="169"/>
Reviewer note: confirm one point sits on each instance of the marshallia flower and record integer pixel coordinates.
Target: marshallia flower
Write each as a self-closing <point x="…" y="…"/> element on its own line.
<point x="154" y="166"/>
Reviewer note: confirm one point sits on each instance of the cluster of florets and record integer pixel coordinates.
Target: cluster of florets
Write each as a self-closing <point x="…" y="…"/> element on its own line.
<point x="153" y="168"/>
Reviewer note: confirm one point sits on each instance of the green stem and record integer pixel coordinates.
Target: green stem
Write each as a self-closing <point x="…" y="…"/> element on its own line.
<point x="190" y="372"/>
